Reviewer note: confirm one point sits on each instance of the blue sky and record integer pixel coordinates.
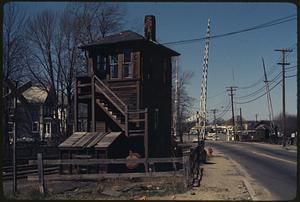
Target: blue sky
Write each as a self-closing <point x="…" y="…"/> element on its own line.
<point x="237" y="56"/>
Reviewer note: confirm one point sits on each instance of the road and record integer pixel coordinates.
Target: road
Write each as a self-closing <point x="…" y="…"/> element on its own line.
<point x="271" y="165"/>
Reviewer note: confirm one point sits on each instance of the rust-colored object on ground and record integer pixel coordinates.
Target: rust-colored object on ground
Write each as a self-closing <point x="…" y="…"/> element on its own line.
<point x="210" y="151"/>
<point x="132" y="156"/>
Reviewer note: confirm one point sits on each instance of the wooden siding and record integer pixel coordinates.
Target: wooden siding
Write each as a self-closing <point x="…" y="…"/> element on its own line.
<point x="126" y="91"/>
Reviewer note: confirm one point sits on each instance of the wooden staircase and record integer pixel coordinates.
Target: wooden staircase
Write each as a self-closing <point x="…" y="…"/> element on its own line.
<point x="133" y="123"/>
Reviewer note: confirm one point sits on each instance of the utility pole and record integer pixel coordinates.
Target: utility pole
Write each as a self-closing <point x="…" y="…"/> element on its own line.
<point x="231" y="89"/>
<point x="215" y="123"/>
<point x="241" y="119"/>
<point x="270" y="107"/>
<point x="256" y="117"/>
<point x="283" y="63"/>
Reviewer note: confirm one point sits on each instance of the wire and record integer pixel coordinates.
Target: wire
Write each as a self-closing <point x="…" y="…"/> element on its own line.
<point x="260" y="95"/>
<point x="290" y="76"/>
<point x="270" y="71"/>
<point x="264" y="25"/>
<point x="216" y="95"/>
<point x="260" y="89"/>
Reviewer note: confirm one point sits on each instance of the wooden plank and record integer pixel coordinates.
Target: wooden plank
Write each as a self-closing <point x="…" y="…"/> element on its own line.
<point x="84" y="96"/>
<point x="75" y="106"/>
<point x="106" y="161"/>
<point x="136" y="120"/>
<point x="146" y="141"/>
<point x="98" y="137"/>
<point x="70" y="141"/>
<point x="97" y="177"/>
<point x="133" y="87"/>
<point x="107" y="140"/>
<point x="41" y="173"/>
<point x="93" y="105"/>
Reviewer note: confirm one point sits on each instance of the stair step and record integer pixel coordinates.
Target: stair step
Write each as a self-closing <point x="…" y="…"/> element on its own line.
<point x="136" y="120"/>
<point x="136" y="131"/>
<point x="84" y="96"/>
<point x="84" y="85"/>
<point x="136" y="134"/>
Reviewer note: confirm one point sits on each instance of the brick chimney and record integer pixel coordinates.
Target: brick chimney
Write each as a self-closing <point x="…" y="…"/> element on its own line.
<point x="149" y="27"/>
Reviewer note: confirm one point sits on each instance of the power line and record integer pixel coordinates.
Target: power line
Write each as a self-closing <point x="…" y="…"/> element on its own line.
<point x="264" y="25"/>
<point x="260" y="89"/>
<point x="290" y="76"/>
<point x="259" y="96"/>
<point x="270" y="71"/>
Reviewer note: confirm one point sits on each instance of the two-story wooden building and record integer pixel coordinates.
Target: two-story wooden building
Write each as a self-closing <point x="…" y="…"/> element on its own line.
<point x="128" y="89"/>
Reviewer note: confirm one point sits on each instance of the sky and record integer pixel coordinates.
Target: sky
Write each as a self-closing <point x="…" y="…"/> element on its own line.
<point x="234" y="60"/>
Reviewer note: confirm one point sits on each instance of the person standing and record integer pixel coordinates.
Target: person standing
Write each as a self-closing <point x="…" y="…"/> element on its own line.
<point x="293" y="135"/>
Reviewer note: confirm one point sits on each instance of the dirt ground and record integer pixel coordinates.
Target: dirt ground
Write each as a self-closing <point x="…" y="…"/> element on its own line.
<point x="222" y="180"/>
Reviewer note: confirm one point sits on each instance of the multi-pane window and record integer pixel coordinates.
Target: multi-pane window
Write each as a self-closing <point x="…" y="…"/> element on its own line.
<point x="127" y="64"/>
<point x="101" y="65"/>
<point x="82" y="117"/>
<point x="35" y="127"/>
<point x="47" y="130"/>
<point x="114" y="66"/>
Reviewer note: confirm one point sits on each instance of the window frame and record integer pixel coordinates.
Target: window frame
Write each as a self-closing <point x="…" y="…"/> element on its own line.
<point x="113" y="65"/>
<point x="127" y="61"/>
<point x="37" y="127"/>
<point x="101" y="64"/>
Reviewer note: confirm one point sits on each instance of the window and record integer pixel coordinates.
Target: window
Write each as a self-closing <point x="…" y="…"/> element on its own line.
<point x="47" y="129"/>
<point x="114" y="66"/>
<point x="35" y="127"/>
<point x="101" y="65"/>
<point x="82" y="117"/>
<point x="127" y="64"/>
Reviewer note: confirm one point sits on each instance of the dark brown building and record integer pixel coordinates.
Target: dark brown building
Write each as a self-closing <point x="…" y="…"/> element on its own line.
<point x="128" y="89"/>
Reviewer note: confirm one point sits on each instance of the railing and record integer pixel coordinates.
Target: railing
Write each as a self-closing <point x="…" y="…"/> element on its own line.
<point x="111" y="96"/>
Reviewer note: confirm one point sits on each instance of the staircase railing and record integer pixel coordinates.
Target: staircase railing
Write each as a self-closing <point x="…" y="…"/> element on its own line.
<point x="113" y="98"/>
<point x="116" y="101"/>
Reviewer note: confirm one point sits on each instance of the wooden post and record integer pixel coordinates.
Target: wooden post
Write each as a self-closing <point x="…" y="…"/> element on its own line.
<point x="126" y="121"/>
<point x="60" y="165"/>
<point x="146" y="140"/>
<point x="93" y="103"/>
<point x="70" y="166"/>
<point x="186" y="169"/>
<point x="15" y="187"/>
<point x="75" y="106"/>
<point x="41" y="173"/>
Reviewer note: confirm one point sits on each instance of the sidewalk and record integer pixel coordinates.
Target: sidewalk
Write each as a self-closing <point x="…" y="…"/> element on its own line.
<point x="222" y="179"/>
<point x="290" y="148"/>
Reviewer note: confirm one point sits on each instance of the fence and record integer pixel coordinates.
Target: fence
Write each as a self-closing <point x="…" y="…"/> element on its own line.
<point x="189" y="171"/>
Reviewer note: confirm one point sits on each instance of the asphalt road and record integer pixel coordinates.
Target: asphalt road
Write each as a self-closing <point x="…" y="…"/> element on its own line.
<point x="272" y="166"/>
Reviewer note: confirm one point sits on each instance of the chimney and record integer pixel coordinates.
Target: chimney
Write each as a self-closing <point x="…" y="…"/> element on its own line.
<point x="149" y="27"/>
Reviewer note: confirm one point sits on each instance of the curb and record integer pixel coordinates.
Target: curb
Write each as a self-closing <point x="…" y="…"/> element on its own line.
<point x="250" y="190"/>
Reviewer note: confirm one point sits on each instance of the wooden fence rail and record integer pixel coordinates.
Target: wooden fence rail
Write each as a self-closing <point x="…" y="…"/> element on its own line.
<point x="106" y="161"/>
<point x="184" y="172"/>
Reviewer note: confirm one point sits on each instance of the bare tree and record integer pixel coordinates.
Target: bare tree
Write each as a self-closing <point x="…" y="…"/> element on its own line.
<point x="291" y="123"/>
<point x="185" y="102"/>
<point x="14" y="47"/>
<point x="40" y="34"/>
<point x="96" y="20"/>
<point x="69" y="60"/>
<point x="54" y="38"/>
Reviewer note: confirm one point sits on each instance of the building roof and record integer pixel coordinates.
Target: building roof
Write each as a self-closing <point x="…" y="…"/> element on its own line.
<point x="126" y="36"/>
<point x="90" y="139"/>
<point x="35" y="94"/>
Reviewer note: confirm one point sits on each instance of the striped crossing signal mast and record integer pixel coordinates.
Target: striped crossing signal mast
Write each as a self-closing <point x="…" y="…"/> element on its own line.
<point x="203" y="94"/>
